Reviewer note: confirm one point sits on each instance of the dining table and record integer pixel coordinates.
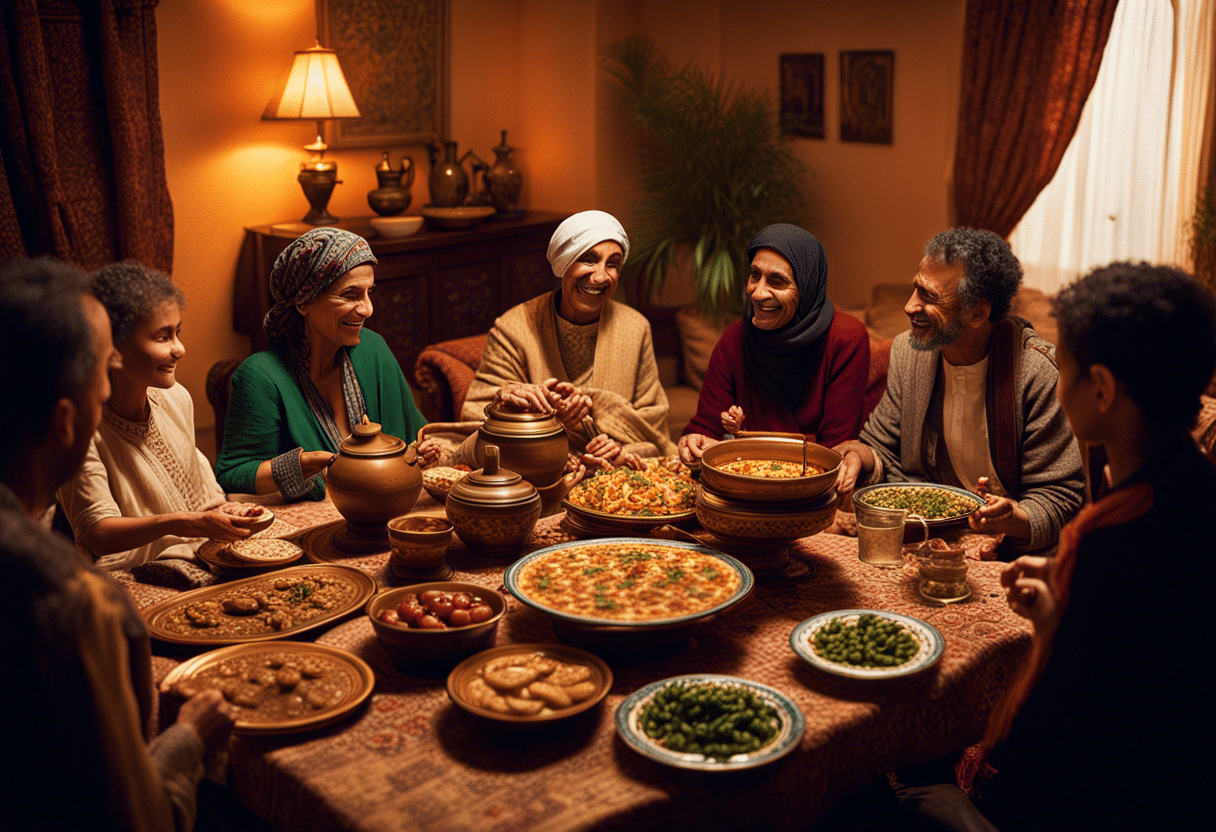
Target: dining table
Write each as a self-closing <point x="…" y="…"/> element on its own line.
<point x="409" y="758"/>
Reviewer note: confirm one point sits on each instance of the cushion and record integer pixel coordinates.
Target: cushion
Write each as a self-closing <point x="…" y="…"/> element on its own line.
<point x="698" y="335"/>
<point x="1035" y="306"/>
<point x="885" y="315"/>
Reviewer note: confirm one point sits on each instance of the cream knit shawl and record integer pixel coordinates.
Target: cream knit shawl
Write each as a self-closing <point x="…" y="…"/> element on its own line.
<point x="627" y="400"/>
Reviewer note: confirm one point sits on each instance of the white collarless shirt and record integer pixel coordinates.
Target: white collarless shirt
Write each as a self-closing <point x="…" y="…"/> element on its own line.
<point x="965" y="424"/>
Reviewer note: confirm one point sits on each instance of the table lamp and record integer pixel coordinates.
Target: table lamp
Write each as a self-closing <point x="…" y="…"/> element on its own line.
<point x="314" y="88"/>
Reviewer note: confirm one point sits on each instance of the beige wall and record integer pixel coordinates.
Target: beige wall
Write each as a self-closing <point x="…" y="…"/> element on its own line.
<point x="531" y="66"/>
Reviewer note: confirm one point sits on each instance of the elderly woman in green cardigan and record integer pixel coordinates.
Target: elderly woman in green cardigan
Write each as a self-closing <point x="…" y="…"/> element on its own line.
<point x="292" y="404"/>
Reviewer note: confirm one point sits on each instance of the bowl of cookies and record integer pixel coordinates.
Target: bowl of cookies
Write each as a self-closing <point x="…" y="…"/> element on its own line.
<point x="529" y="683"/>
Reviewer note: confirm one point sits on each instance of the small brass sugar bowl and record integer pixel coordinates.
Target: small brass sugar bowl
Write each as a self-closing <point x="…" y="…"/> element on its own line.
<point x="493" y="509"/>
<point x="375" y="478"/>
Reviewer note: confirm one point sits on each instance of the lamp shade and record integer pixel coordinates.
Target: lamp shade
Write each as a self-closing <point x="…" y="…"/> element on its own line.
<point x="314" y="88"/>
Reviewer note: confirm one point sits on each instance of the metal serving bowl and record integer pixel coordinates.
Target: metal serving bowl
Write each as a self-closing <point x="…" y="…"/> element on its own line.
<point x="765" y="489"/>
<point x="741" y="521"/>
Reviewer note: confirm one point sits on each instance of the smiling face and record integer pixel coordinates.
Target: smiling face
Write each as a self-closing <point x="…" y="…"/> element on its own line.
<point x="337" y="314"/>
<point x="150" y="355"/>
<point x="772" y="290"/>
<point x="933" y="308"/>
<point x="590" y="281"/>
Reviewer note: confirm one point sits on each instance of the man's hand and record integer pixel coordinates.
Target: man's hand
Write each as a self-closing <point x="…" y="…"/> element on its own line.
<point x="1001" y="515"/>
<point x="692" y="445"/>
<point x="857" y="462"/>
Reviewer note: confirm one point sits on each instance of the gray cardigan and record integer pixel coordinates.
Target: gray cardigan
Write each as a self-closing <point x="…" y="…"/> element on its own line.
<point x="1053" y="484"/>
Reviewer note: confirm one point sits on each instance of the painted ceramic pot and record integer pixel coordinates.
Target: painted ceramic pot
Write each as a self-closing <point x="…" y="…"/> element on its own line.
<point x="493" y="509"/>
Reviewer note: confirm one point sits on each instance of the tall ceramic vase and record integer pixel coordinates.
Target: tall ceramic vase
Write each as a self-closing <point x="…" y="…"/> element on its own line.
<point x="448" y="182"/>
<point x="503" y="181"/>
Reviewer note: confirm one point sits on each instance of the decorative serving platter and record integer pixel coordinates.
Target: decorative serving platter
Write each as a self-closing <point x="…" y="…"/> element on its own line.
<point x="163" y="617"/>
<point x="513" y="581"/>
<point x="345" y="682"/>
<point x="628" y="725"/>
<point x="931" y="644"/>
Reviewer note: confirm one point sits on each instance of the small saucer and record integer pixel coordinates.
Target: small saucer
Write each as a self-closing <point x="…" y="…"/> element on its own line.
<point x="933" y="599"/>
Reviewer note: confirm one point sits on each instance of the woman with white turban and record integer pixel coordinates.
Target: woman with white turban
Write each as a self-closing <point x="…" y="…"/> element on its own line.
<point x="576" y="352"/>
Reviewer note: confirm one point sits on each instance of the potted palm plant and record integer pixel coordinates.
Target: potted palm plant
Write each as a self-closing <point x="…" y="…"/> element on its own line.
<point x="713" y="171"/>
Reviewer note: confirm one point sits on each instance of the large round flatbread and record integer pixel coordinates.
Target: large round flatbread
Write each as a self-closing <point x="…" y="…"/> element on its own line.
<point x="263" y="549"/>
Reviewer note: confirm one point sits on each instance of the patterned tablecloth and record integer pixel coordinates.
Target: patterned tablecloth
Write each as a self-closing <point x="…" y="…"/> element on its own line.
<point x="410" y="759"/>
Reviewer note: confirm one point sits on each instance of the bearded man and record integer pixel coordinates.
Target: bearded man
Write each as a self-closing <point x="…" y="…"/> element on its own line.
<point x="971" y="394"/>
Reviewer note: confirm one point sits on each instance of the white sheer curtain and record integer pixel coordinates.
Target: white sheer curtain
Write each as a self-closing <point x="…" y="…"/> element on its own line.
<point x="1116" y="195"/>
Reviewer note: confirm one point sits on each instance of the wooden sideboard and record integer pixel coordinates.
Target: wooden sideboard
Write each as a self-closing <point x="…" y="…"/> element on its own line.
<point x="431" y="286"/>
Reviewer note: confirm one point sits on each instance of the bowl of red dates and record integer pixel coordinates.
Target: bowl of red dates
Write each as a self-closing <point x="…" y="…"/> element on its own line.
<point x="436" y="621"/>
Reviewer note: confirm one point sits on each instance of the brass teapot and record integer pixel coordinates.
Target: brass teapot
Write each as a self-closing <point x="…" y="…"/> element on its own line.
<point x="375" y="478"/>
<point x="534" y="445"/>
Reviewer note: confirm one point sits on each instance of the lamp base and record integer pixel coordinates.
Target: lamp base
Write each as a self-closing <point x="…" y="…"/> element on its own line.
<point x="318" y="185"/>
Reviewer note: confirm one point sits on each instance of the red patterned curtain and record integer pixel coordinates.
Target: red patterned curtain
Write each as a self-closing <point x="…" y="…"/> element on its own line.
<point x="1028" y="66"/>
<point x="82" y="159"/>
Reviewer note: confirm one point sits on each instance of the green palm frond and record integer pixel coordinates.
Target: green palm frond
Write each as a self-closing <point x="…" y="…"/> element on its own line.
<point x="712" y="170"/>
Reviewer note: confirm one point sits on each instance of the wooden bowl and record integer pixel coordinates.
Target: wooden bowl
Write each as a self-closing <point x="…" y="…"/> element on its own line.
<point x="408" y="644"/>
<point x="766" y="489"/>
<point x="467" y="671"/>
<point x="744" y="522"/>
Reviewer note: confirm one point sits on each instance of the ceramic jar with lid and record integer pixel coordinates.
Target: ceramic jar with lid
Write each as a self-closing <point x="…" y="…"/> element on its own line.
<point x="493" y="509"/>
<point x="532" y="444"/>
<point x="375" y="478"/>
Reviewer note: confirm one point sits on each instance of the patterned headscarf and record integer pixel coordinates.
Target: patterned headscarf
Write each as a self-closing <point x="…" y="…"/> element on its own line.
<point x="580" y="232"/>
<point x="777" y="359"/>
<point x="306" y="268"/>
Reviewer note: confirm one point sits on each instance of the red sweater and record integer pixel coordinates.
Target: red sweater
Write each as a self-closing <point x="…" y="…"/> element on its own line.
<point x="834" y="402"/>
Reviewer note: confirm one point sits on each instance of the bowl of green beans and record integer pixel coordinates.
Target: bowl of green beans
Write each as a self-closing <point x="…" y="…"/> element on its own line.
<point x="944" y="507"/>
<point x="867" y="644"/>
<point x="708" y="722"/>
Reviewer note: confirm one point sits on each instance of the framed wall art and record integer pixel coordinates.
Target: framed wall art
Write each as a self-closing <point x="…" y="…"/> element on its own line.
<point x="867" y="82"/>
<point x="802" y="95"/>
<point x="394" y="56"/>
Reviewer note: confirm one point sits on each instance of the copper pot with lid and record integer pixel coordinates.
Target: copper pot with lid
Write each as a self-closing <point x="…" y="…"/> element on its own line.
<point x="534" y="445"/>
<point x="375" y="478"/>
<point x="493" y="509"/>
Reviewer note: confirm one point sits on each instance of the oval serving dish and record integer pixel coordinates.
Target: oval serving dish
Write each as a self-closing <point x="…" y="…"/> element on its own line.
<point x="359" y="585"/>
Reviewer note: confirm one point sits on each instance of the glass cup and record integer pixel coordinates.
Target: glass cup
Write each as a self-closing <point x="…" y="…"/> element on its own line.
<point x="880" y="534"/>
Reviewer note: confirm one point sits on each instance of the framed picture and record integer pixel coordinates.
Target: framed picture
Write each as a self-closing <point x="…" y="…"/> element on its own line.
<point x="867" y="81"/>
<point x="802" y="95"/>
<point x="394" y="56"/>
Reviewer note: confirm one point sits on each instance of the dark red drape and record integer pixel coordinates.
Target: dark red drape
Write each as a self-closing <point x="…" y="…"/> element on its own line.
<point x="82" y="159"/>
<point x="1028" y="66"/>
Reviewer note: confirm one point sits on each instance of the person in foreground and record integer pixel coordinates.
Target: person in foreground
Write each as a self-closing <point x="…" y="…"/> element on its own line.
<point x="145" y="491"/>
<point x="1107" y="724"/>
<point x="76" y="687"/>
<point x="293" y="404"/>
<point x="577" y="353"/>
<point x="794" y="364"/>
<point x="970" y="394"/>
